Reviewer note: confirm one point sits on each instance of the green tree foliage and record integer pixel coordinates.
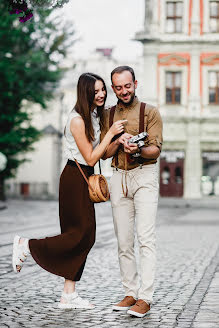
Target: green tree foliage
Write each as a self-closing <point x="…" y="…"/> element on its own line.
<point x="29" y="72"/>
<point x="48" y="3"/>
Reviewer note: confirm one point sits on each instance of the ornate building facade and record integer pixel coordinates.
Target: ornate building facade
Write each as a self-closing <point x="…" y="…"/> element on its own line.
<point x="181" y="76"/>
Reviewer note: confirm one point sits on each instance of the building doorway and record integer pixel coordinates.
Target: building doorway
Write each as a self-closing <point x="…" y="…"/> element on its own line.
<point x="171" y="173"/>
<point x="24" y="189"/>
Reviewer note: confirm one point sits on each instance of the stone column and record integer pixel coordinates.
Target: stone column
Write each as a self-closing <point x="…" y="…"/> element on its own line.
<point x="150" y="92"/>
<point x="151" y="17"/>
<point x="148" y="16"/>
<point x="193" y="162"/>
<point x="194" y="104"/>
<point x="195" y="21"/>
<point x="155" y="21"/>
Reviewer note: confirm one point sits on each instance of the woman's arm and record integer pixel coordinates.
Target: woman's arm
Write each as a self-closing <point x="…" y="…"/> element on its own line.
<point x="112" y="148"/>
<point x="85" y="147"/>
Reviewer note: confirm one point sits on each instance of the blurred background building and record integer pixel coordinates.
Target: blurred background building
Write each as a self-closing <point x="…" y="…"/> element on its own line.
<point x="178" y="72"/>
<point x="181" y="60"/>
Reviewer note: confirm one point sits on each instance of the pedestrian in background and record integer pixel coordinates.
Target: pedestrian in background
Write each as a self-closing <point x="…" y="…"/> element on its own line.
<point x="65" y="255"/>
<point x="134" y="189"/>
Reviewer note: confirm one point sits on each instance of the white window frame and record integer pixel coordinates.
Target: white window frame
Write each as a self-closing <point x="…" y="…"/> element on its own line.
<point x="205" y="84"/>
<point x="185" y="17"/>
<point x="206" y="16"/>
<point x="162" y="94"/>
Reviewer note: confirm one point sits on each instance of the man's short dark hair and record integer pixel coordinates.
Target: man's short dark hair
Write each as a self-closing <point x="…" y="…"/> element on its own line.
<point x="121" y="69"/>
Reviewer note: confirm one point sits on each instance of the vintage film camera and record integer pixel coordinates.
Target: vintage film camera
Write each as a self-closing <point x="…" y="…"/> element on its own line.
<point x="139" y="140"/>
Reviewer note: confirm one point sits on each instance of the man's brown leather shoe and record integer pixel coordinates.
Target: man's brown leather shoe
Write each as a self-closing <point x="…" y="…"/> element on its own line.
<point x="139" y="309"/>
<point x="125" y="304"/>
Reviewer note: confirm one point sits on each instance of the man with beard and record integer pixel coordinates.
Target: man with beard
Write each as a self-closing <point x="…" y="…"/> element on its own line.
<point x="134" y="189"/>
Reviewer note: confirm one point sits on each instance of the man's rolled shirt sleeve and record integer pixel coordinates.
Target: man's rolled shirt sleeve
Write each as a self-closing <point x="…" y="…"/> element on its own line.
<point x="154" y="129"/>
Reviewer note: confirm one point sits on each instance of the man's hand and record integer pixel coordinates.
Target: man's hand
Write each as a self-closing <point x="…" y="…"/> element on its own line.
<point x="130" y="148"/>
<point x="124" y="137"/>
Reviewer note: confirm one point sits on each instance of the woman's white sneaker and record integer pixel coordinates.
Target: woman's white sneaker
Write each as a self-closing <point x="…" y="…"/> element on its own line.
<point x="20" y="253"/>
<point x="74" y="301"/>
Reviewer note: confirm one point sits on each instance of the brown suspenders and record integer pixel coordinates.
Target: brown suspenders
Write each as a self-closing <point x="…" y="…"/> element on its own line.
<point x="141" y="116"/>
<point x="141" y="122"/>
<point x="112" y="112"/>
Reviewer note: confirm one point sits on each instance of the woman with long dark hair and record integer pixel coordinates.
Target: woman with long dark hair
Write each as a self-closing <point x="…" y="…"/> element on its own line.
<point x="65" y="255"/>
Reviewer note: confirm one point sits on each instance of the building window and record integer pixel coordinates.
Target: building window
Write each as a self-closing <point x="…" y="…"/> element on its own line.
<point x="214" y="16"/>
<point x="214" y="87"/>
<point x="173" y="87"/>
<point x="174" y="14"/>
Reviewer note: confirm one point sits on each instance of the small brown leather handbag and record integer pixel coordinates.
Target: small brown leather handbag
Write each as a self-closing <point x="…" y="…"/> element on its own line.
<point x="97" y="186"/>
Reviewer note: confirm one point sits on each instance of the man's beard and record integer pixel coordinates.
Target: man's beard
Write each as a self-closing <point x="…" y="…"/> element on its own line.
<point x="128" y="103"/>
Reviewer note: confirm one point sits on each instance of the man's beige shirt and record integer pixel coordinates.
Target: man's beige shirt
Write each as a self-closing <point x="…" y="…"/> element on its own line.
<point x="152" y="125"/>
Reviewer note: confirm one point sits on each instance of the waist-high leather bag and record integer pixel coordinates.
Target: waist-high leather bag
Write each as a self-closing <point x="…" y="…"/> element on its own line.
<point x="97" y="186"/>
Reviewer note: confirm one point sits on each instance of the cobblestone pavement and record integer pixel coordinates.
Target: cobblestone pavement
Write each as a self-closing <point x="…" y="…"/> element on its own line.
<point x="187" y="279"/>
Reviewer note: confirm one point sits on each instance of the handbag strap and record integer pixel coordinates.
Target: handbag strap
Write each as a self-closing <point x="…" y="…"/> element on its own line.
<point x="85" y="178"/>
<point x="100" y="167"/>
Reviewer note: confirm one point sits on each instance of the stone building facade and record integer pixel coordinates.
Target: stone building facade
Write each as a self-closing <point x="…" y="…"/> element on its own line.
<point x="181" y="76"/>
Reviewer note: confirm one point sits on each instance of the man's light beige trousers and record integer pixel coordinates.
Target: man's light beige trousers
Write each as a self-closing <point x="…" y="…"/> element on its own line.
<point x="138" y="209"/>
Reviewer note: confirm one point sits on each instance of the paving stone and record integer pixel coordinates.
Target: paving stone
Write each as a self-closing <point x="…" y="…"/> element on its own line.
<point x="185" y="288"/>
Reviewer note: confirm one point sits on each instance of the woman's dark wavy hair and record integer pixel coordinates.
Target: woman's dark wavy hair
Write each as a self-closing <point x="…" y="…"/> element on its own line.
<point x="85" y="99"/>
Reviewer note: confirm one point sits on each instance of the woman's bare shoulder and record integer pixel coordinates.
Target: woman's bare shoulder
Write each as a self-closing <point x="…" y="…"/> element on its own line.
<point x="77" y="122"/>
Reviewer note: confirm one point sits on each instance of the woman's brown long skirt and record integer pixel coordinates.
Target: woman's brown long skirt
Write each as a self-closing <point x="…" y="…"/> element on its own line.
<point x="65" y="255"/>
